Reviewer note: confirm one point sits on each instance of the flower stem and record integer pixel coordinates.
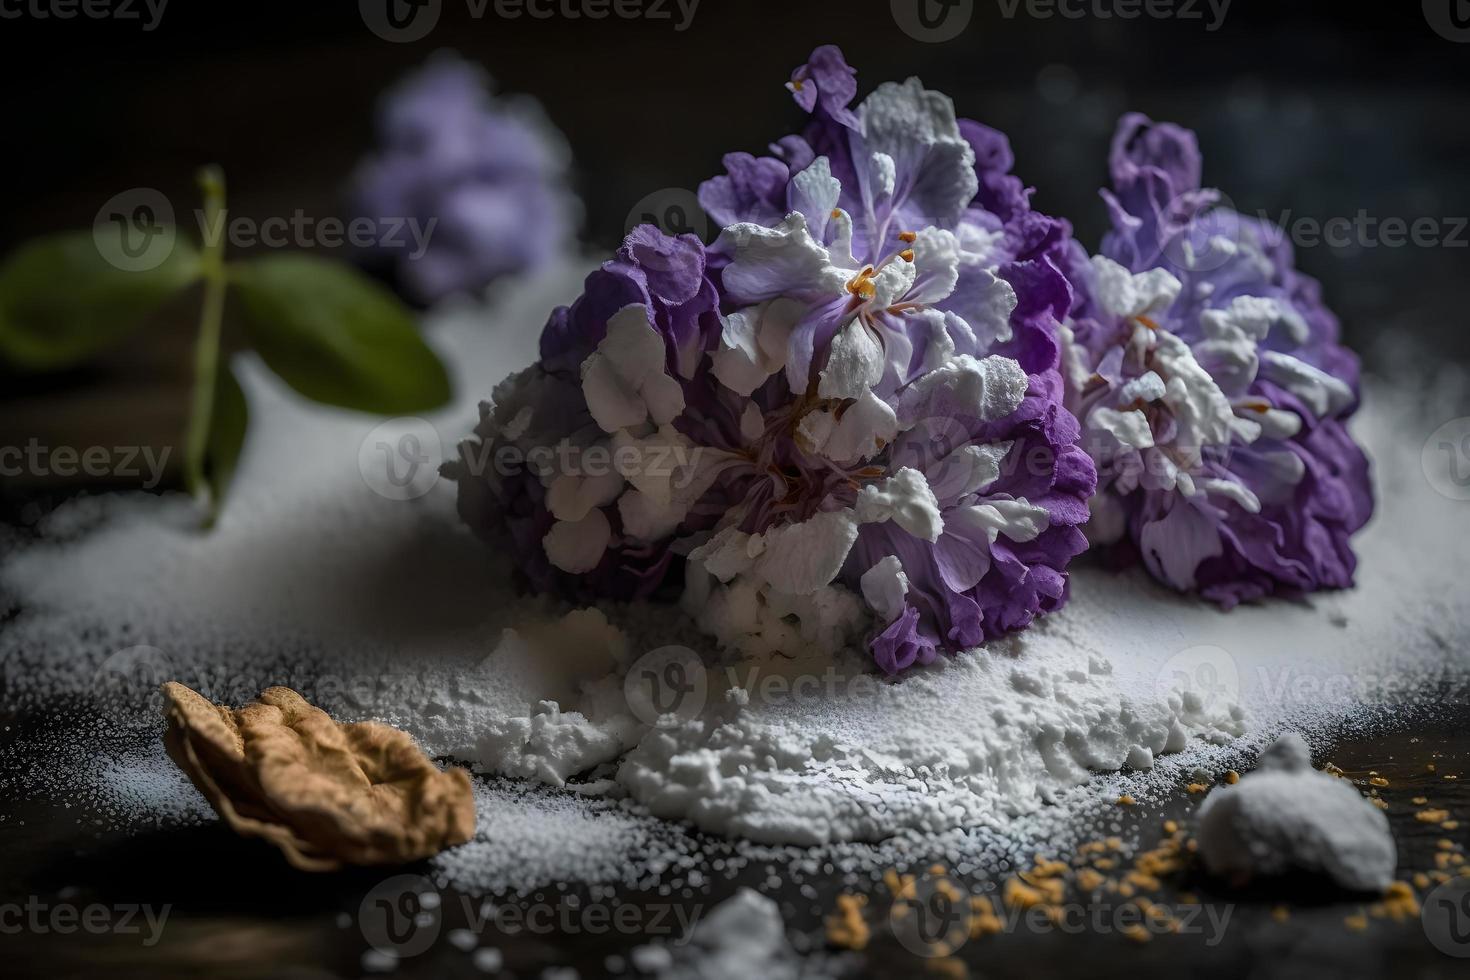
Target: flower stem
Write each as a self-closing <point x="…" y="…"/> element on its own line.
<point x="206" y="347"/>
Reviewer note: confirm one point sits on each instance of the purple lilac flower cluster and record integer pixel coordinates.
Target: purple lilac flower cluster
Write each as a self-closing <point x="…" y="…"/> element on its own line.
<point x="484" y="180"/>
<point x="1212" y="388"/>
<point x="854" y="415"/>
<point x="842" y="420"/>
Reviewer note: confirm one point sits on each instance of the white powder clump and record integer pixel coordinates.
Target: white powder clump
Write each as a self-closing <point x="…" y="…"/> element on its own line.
<point x="742" y="937"/>
<point x="1286" y="816"/>
<point x="979" y="738"/>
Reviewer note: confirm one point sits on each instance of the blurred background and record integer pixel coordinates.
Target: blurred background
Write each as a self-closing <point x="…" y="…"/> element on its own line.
<point x="1346" y="123"/>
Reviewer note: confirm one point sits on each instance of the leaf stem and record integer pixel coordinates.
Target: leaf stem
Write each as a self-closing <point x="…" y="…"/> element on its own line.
<point x="206" y="347"/>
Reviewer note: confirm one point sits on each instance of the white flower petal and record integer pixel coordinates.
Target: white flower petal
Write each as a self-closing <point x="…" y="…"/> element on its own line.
<point x="854" y="363"/>
<point x="801" y="558"/>
<point x="866" y="426"/>
<point x="884" y="586"/>
<point x="577" y="546"/>
<point x="1322" y="393"/>
<point x="624" y="380"/>
<point x="1019" y="519"/>
<point x="906" y="499"/>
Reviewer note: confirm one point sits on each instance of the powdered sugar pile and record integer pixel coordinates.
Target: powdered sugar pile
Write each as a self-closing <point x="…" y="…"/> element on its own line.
<point x="387" y="609"/>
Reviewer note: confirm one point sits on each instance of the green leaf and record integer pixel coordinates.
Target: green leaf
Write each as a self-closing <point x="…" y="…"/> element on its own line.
<point x="337" y="337"/>
<point x="227" y="424"/>
<point x="65" y="297"/>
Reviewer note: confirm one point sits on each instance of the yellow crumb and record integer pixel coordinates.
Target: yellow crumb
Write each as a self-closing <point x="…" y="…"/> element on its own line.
<point x="1198" y="787"/>
<point x="1377" y="781"/>
<point x="1432" y="816"/>
<point x="1357" y="923"/>
<point x="1170" y="827"/>
<point x="1089" y="880"/>
<point x="1445" y="844"/>
<point x="1379" y="802"/>
<point x="1139" y="879"/>
<point x="1431" y="767"/>
<point x="1400" y="902"/>
<point x="1126" y="800"/>
<point x="845" y="927"/>
<point x="1049" y="869"/>
<point x="946" y="966"/>
<point x="1106" y="864"/>
<point x="1019" y="895"/>
<point x="983" y="919"/>
<point x="1421" y="880"/>
<point x="1136" y="934"/>
<point x="1232" y="777"/>
<point x="1419" y="800"/>
<point x="1451" y="825"/>
<point x="899" y="886"/>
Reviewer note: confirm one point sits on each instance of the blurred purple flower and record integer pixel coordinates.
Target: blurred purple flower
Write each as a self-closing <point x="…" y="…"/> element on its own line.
<point x="484" y="178"/>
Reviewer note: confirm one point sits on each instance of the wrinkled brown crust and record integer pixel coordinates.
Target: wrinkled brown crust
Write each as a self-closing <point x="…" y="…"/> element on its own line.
<point x="326" y="794"/>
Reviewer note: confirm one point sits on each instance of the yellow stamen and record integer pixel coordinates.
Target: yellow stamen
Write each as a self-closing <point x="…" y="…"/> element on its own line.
<point x="907" y="255"/>
<point x="908" y="236"/>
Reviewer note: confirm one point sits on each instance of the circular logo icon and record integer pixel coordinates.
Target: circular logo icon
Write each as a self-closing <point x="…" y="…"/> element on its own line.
<point x="1445" y="459"/>
<point x="134" y="231"/>
<point x="400" y="21"/>
<point x="1205" y="672"/>
<point x="1450" y="19"/>
<point x="673" y="210"/>
<point x="401" y="916"/>
<point x="932" y="21"/>
<point x="127" y="683"/>
<point x="1199" y="233"/>
<point x="932" y="917"/>
<point x="400" y="459"/>
<point x="1445" y="916"/>
<point x="667" y="686"/>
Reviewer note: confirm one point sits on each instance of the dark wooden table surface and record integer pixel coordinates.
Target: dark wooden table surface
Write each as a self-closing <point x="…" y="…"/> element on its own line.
<point x="237" y="910"/>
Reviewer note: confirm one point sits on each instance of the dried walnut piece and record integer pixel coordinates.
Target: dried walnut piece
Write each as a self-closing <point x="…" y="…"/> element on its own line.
<point x="326" y="794"/>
